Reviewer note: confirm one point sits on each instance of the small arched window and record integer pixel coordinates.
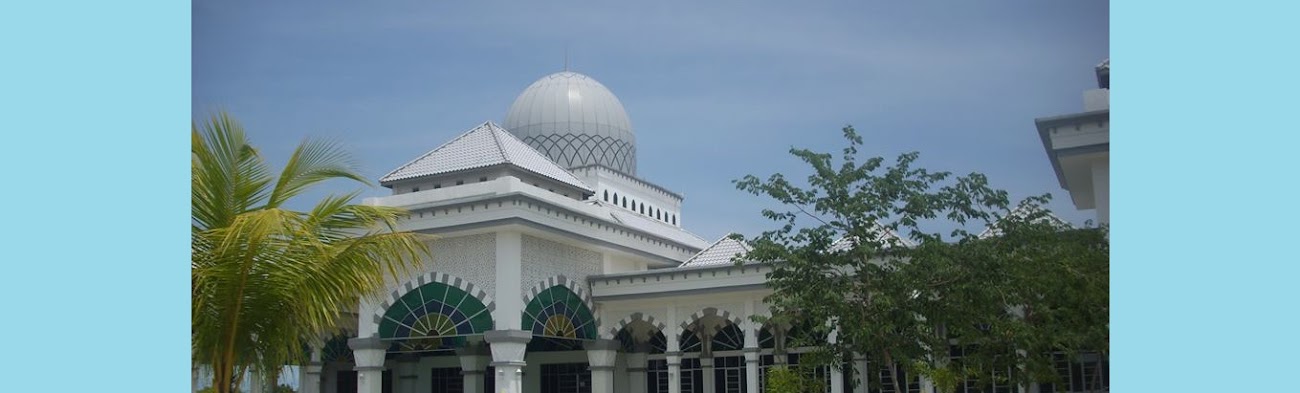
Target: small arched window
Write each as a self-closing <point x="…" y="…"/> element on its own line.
<point x="624" y="201"/>
<point x="674" y="219"/>
<point x="606" y="195"/>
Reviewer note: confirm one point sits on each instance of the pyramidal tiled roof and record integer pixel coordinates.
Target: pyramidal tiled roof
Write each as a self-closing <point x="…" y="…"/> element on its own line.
<point x="485" y="145"/>
<point x="719" y="253"/>
<point x="884" y="236"/>
<point x="1021" y="212"/>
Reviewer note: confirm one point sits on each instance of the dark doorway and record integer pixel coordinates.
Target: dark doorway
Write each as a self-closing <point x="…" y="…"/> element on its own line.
<point x="345" y="381"/>
<point x="448" y="380"/>
<point x="566" y="378"/>
<point x="692" y="376"/>
<point x="656" y="376"/>
<point x="729" y="374"/>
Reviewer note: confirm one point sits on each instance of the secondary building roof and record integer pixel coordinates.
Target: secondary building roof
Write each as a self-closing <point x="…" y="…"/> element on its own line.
<point x="483" y="146"/>
<point x="720" y="252"/>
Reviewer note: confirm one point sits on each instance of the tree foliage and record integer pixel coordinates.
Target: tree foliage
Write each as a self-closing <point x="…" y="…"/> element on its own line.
<point x="857" y="248"/>
<point x="782" y="379"/>
<point x="266" y="279"/>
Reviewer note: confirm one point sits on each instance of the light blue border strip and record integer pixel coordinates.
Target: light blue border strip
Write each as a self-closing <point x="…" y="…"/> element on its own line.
<point x="94" y="106"/>
<point x="1205" y="279"/>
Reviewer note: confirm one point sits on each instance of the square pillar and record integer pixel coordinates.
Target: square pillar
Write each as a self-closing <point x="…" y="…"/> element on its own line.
<point x="509" y="274"/>
<point x="256" y="382"/>
<point x="601" y="355"/>
<point x="674" y="371"/>
<point x="860" y="369"/>
<point x="636" y="378"/>
<point x="836" y="369"/>
<point x="751" y="369"/>
<point x="751" y="330"/>
<point x="508" y="348"/>
<point x="369" y="353"/>
<point x="408" y="376"/>
<point x="706" y="367"/>
<point x="1101" y="189"/>
<point x="309" y="378"/>
<point x="474" y="358"/>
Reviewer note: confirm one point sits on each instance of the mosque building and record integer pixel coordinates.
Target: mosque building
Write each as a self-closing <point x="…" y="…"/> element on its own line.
<point x="557" y="269"/>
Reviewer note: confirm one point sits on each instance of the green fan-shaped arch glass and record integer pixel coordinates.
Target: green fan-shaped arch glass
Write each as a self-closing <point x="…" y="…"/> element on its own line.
<point x="729" y="338"/>
<point x="336" y="350"/>
<point x="559" y="313"/>
<point x="434" y="317"/>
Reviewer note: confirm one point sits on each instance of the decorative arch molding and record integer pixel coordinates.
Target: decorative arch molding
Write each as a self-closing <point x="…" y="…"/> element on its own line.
<point x="559" y="312"/>
<point x="711" y="311"/>
<point x="432" y="277"/>
<point x="637" y="316"/>
<point x="563" y="281"/>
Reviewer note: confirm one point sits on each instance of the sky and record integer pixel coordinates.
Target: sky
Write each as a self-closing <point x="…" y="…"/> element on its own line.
<point x="715" y="90"/>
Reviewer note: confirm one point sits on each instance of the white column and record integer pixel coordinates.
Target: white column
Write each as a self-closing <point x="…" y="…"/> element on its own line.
<point x="674" y="371"/>
<point x="926" y="384"/>
<point x="508" y="348"/>
<point x="474" y="359"/>
<point x="636" y="365"/>
<point x="706" y="367"/>
<point x="309" y="378"/>
<point x="256" y="382"/>
<point x="369" y="353"/>
<point x="751" y="349"/>
<point x="508" y="314"/>
<point x="601" y="355"/>
<point x="673" y="354"/>
<point x="1101" y="189"/>
<point x="837" y="374"/>
<point x="860" y="368"/>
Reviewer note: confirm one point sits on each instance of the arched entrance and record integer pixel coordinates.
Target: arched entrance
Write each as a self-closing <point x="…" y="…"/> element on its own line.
<point x="711" y="355"/>
<point x="560" y="321"/>
<point x="438" y="319"/>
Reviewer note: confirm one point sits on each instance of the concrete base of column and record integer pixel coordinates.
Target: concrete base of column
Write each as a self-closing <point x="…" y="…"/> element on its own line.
<point x="509" y="377"/>
<point x="674" y="372"/>
<point x="309" y="379"/>
<point x="508" y="348"/>
<point x="601" y="356"/>
<point x="370" y="379"/>
<point x="636" y="372"/>
<point x="861" y="375"/>
<point x="751" y="370"/>
<point x="369" y="354"/>
<point x="706" y="368"/>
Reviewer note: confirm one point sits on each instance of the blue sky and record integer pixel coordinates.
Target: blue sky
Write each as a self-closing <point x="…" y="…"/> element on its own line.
<point x="715" y="90"/>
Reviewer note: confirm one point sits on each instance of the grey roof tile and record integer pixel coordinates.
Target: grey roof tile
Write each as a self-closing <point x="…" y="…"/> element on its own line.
<point x="720" y="252"/>
<point x="483" y="146"/>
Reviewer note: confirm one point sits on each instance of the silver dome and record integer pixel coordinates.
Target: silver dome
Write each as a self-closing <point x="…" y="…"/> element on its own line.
<point x="574" y="120"/>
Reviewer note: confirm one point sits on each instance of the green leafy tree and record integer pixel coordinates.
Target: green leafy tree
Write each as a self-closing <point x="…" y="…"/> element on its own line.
<point x="858" y="248"/>
<point x="783" y="379"/>
<point x="283" y="389"/>
<point x="267" y="279"/>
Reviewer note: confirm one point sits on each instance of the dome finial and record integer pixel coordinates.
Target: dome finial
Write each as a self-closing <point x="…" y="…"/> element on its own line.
<point x="566" y="58"/>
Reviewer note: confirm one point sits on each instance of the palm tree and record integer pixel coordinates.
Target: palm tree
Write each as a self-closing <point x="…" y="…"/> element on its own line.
<point x="265" y="279"/>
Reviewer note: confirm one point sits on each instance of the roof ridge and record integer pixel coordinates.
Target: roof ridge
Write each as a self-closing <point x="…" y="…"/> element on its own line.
<point x="712" y="245"/>
<point x="426" y="154"/>
<point x="496" y="138"/>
